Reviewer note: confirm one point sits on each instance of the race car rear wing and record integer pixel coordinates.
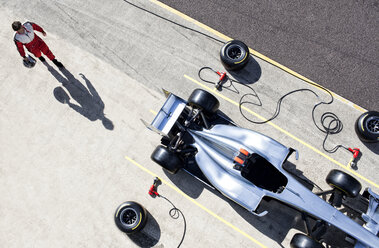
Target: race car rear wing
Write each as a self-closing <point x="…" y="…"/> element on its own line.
<point x="371" y="217"/>
<point x="167" y="115"/>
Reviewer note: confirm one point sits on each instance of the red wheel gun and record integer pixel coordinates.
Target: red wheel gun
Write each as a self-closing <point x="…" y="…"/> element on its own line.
<point x="356" y="153"/>
<point x="153" y="191"/>
<point x="221" y="79"/>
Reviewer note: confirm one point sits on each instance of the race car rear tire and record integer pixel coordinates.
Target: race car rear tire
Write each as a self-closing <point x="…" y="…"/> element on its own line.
<point x="234" y="55"/>
<point x="367" y="126"/>
<point x="167" y="159"/>
<point x="343" y="182"/>
<point x="204" y="100"/>
<point x="300" y="240"/>
<point x="130" y="217"/>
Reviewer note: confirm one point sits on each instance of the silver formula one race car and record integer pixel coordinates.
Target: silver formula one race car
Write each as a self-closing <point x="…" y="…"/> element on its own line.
<point x="246" y="166"/>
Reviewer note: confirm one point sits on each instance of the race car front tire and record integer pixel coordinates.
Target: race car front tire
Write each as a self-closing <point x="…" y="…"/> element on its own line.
<point x="130" y="217"/>
<point x="204" y="100"/>
<point x="167" y="159"/>
<point x="300" y="240"/>
<point x="343" y="182"/>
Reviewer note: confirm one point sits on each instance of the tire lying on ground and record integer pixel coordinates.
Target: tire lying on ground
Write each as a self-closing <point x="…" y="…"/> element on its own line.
<point x="367" y="126"/>
<point x="344" y="182"/>
<point x="234" y="55"/>
<point x="167" y="159"/>
<point x="130" y="217"/>
<point x="300" y="240"/>
<point x="204" y="100"/>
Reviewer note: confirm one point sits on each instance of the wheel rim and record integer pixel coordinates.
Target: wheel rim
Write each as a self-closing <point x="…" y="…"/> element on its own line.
<point x="128" y="216"/>
<point x="234" y="52"/>
<point x="372" y="125"/>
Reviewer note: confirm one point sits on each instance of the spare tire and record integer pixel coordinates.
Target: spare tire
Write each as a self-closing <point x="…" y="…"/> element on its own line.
<point x="130" y="217"/>
<point x="367" y="126"/>
<point x="234" y="55"/>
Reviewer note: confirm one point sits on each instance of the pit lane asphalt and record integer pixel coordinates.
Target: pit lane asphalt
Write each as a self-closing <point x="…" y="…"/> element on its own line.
<point x="63" y="167"/>
<point x="333" y="43"/>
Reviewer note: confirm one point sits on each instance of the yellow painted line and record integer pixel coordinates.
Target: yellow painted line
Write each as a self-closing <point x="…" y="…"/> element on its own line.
<point x="153" y="112"/>
<point x="253" y="52"/>
<point x="196" y="203"/>
<point x="284" y="131"/>
<point x="186" y="17"/>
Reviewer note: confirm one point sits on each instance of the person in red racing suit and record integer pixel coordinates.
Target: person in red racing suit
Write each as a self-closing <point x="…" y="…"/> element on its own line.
<point x="25" y="36"/>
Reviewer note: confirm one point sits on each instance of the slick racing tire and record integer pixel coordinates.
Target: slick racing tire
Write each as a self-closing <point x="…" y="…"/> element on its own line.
<point x="130" y="217"/>
<point x="367" y="126"/>
<point x="300" y="240"/>
<point x="204" y="100"/>
<point x="167" y="159"/>
<point x="344" y="182"/>
<point x="234" y="55"/>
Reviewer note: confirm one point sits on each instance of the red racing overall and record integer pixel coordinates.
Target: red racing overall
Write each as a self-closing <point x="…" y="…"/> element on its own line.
<point x="31" y="41"/>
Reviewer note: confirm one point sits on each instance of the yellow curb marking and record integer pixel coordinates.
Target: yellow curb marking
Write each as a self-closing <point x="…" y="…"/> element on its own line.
<point x="253" y="52"/>
<point x="186" y="17"/>
<point x="285" y="132"/>
<point x="153" y="112"/>
<point x="196" y="203"/>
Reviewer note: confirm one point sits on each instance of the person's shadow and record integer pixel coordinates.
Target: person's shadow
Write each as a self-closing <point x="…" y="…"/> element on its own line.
<point x="89" y="102"/>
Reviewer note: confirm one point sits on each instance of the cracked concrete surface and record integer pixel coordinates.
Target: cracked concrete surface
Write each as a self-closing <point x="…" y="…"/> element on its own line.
<point x="65" y="132"/>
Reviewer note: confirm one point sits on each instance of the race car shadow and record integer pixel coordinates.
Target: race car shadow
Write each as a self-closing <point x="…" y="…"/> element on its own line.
<point x="275" y="224"/>
<point x="280" y="218"/>
<point x="299" y="176"/>
<point x="187" y="183"/>
<point x="89" y="103"/>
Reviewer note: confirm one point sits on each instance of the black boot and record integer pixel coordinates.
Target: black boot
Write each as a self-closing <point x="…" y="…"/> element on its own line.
<point x="57" y="63"/>
<point x="42" y="59"/>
